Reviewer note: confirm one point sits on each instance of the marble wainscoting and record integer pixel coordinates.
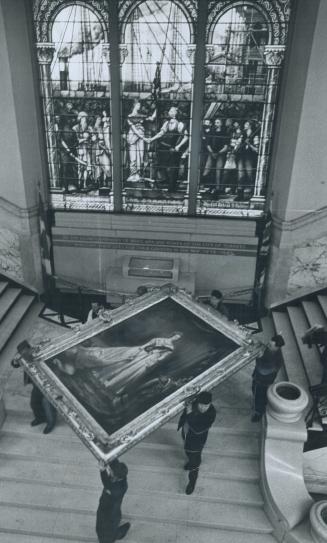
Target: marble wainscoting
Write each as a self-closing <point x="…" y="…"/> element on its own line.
<point x="309" y="265"/>
<point x="10" y="257"/>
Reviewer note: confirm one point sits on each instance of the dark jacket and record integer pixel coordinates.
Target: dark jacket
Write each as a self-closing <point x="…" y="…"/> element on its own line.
<point x="267" y="367"/>
<point x="195" y="427"/>
<point x="323" y="359"/>
<point x="109" y="509"/>
<point x="221" y="307"/>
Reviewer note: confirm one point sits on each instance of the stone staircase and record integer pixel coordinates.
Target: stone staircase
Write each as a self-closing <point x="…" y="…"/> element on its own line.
<point x="293" y="317"/>
<point x="50" y="485"/>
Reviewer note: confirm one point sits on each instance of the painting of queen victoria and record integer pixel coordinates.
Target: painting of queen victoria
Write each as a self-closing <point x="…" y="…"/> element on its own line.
<point x="118" y="379"/>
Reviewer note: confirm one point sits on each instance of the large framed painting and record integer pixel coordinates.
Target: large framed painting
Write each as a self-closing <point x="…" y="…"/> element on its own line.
<point x="131" y="370"/>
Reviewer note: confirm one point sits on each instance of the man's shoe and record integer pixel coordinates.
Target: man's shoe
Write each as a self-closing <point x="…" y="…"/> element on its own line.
<point x="189" y="489"/>
<point x="48" y="429"/>
<point x="187" y="466"/>
<point x="123" y="529"/>
<point x="255" y="418"/>
<point x="36" y="422"/>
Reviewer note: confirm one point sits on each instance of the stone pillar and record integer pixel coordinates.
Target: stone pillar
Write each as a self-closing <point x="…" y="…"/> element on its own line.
<point x="274" y="55"/>
<point x="298" y="168"/>
<point x="45" y="53"/>
<point x="22" y="148"/>
<point x="286" y="498"/>
<point x="318" y="521"/>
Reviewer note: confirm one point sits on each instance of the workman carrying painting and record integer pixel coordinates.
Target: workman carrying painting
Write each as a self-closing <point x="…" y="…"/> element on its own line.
<point x="195" y="422"/>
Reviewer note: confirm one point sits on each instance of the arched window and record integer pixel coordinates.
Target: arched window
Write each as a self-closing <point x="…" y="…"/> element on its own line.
<point x="239" y="101"/>
<point x="157" y="75"/>
<point x="75" y="81"/>
<point x="158" y="44"/>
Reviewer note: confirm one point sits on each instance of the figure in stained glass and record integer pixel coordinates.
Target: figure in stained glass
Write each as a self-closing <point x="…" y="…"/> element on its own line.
<point x="173" y="138"/>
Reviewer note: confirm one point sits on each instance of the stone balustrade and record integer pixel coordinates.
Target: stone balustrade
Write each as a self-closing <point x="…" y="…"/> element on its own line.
<point x="287" y="501"/>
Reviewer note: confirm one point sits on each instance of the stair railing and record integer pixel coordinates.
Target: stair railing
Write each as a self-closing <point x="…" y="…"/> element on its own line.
<point x="286" y="499"/>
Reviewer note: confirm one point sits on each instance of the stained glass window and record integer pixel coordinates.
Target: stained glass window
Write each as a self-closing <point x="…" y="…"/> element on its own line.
<point x="157" y="75"/>
<point x="237" y="91"/>
<point x="76" y="97"/>
<point x="155" y="44"/>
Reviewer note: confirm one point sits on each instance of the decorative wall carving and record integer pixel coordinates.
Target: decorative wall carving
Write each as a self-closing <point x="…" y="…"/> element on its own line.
<point x="123" y="50"/>
<point x="309" y="265"/>
<point x="45" y="52"/>
<point x="274" y="55"/>
<point x="10" y="257"/>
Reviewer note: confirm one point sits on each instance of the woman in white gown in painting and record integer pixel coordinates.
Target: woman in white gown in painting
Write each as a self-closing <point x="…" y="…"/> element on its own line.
<point x="118" y="369"/>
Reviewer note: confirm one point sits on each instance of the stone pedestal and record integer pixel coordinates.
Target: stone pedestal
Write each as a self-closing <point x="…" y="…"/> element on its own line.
<point x="318" y="521"/>
<point x="286" y="402"/>
<point x="287" y="500"/>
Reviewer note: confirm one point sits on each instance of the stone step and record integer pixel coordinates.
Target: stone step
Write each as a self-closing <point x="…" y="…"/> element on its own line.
<point x="148" y="455"/>
<point x="232" y="420"/>
<point x="314" y="313"/>
<point x="174" y="503"/>
<point x="3" y="286"/>
<point x="8" y="299"/>
<point x="310" y="357"/>
<point x="14" y="537"/>
<point x="13" y="318"/>
<point x="60" y="511"/>
<point x="172" y="483"/>
<point x="219" y="440"/>
<point x="291" y="356"/>
<point x="244" y="445"/>
<point x="236" y="390"/>
<point x="322" y="299"/>
<point x="142" y="531"/>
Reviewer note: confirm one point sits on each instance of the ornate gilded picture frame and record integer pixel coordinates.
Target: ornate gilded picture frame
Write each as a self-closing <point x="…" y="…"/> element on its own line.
<point x="128" y="372"/>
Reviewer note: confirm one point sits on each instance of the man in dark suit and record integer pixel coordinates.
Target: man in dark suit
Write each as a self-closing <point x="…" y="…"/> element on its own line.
<point x="216" y="301"/>
<point x="108" y="527"/>
<point x="43" y="410"/>
<point x="195" y="421"/>
<point x="264" y="374"/>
